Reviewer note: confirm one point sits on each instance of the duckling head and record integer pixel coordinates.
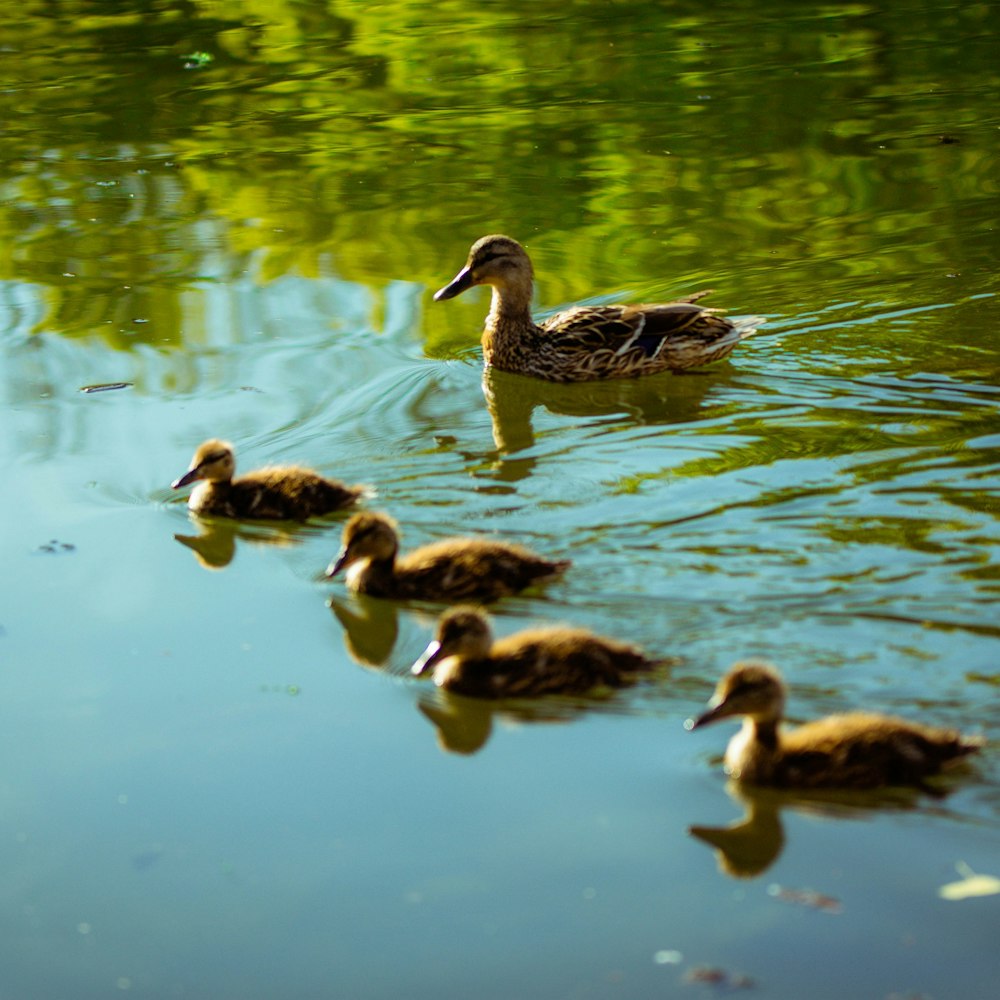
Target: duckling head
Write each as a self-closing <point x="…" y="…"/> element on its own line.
<point x="494" y="260"/>
<point x="213" y="461"/>
<point x="463" y="632"/>
<point x="751" y="688"/>
<point x="366" y="536"/>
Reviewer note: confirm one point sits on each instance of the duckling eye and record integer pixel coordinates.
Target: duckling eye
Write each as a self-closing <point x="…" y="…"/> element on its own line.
<point x="217" y="457"/>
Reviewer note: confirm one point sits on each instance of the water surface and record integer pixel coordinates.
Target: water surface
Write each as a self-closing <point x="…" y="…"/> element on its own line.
<point x="219" y="781"/>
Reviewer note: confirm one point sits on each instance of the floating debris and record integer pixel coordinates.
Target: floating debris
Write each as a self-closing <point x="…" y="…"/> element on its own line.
<point x="806" y="897"/>
<point x="105" y="386"/>
<point x="197" y="60"/>
<point x="54" y="547"/>
<point x="970" y="885"/>
<point x="710" y="975"/>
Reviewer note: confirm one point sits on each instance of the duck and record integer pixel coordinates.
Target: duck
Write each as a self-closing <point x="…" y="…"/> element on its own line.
<point x="280" y="492"/>
<point x="584" y="343"/>
<point x="456" y="569"/>
<point x="852" y="750"/>
<point x="465" y="659"/>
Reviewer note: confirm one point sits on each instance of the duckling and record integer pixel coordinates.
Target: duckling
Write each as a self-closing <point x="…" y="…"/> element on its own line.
<point x="853" y="750"/>
<point x="556" y="660"/>
<point x="283" y="492"/>
<point x="451" y="570"/>
<point x="583" y="343"/>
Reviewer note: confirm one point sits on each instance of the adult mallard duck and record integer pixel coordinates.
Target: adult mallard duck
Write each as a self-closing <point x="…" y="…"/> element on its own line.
<point x="588" y="342"/>
<point x="853" y="750"/>
<point x="457" y="569"/>
<point x="281" y="492"/>
<point x="557" y="660"/>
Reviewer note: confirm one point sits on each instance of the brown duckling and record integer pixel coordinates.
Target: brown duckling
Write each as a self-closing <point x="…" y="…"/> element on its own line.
<point x="556" y="660"/>
<point x="281" y="492"/>
<point x="588" y="342"/>
<point x="451" y="570"/>
<point x="852" y="750"/>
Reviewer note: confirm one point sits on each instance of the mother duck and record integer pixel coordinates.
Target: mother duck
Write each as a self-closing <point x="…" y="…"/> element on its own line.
<point x="583" y="343"/>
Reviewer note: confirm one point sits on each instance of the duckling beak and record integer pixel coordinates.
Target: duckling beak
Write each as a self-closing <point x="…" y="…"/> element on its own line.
<point x="338" y="564"/>
<point x="714" y="713"/>
<point x="460" y="283"/>
<point x="189" y="477"/>
<point x="428" y="658"/>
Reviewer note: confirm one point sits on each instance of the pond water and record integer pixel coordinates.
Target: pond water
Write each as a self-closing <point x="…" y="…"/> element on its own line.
<point x="218" y="780"/>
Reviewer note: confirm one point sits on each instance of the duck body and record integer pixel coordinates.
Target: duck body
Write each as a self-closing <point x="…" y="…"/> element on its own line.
<point x="455" y="569"/>
<point x="285" y="492"/>
<point x="588" y="342"/>
<point x="466" y="660"/>
<point x="850" y="750"/>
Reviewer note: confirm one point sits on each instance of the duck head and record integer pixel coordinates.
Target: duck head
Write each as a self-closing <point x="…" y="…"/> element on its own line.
<point x="494" y="260"/>
<point x="213" y="461"/>
<point x="751" y="688"/>
<point x="463" y="632"/>
<point x="366" y="536"/>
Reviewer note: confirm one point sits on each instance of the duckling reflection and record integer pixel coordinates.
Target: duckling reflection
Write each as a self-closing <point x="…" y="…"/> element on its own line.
<point x="747" y="847"/>
<point x="467" y="660"/>
<point x="215" y="545"/>
<point x="283" y="492"/>
<point x="454" y="569"/>
<point x="371" y="628"/>
<point x="852" y="750"/>
<point x="588" y="342"/>
<point x="464" y="725"/>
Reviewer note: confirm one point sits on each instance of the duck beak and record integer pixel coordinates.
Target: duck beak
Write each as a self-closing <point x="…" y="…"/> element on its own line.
<point x="428" y="658"/>
<point x="460" y="283"/>
<point x="338" y="564"/>
<point x="714" y="713"/>
<point x="189" y="477"/>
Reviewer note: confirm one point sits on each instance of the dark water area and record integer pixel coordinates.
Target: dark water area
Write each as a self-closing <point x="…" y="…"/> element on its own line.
<point x="229" y="220"/>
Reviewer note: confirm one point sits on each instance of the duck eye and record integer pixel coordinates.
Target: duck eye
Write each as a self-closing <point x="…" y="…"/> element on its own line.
<point x="489" y="257"/>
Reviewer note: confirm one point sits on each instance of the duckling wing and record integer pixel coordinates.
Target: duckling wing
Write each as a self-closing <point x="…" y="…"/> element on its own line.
<point x="473" y="569"/>
<point x="290" y="492"/>
<point x="862" y="750"/>
<point x="559" y="660"/>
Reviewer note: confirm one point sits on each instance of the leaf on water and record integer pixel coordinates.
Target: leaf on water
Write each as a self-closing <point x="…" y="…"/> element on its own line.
<point x="970" y="884"/>
<point x="104" y="386"/>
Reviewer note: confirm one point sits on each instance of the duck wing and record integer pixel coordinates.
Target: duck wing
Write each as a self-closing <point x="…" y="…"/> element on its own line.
<point x="624" y="328"/>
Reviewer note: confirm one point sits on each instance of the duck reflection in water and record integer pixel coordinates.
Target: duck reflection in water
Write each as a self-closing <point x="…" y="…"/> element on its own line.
<point x="371" y="628"/>
<point x="215" y="545"/>
<point x="749" y="846"/>
<point x="464" y="725"/>
<point x="512" y="399"/>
